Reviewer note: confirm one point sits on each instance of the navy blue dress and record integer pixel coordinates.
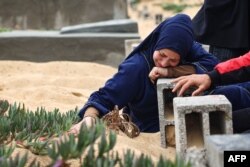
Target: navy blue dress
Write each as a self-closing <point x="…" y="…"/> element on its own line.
<point x="131" y="86"/>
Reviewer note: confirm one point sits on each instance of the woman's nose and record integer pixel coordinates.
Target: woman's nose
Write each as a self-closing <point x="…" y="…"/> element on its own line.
<point x="164" y="63"/>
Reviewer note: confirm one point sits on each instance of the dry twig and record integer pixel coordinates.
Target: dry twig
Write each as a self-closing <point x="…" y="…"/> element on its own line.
<point x="116" y="121"/>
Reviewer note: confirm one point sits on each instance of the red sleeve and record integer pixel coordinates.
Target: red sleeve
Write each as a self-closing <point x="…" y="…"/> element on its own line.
<point x="234" y="64"/>
<point x="232" y="71"/>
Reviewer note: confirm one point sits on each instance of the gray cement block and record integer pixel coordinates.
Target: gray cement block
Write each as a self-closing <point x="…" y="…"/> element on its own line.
<point x="165" y="109"/>
<point x="217" y="144"/>
<point x="199" y="116"/>
<point x="130" y="45"/>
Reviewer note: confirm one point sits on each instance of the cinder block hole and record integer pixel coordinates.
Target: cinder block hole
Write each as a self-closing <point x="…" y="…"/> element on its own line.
<point x="169" y="111"/>
<point x="217" y="121"/>
<point x="168" y="101"/>
<point x="194" y="130"/>
<point x="170" y="135"/>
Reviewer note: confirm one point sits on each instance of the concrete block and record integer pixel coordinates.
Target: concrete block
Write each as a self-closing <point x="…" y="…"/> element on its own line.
<point x="217" y="144"/>
<point x="196" y="157"/>
<point x="130" y="45"/>
<point x="165" y="109"/>
<point x="199" y="116"/>
<point x="166" y="114"/>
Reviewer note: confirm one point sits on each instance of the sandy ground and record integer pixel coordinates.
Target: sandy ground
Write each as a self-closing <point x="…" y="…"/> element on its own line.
<point x="65" y="85"/>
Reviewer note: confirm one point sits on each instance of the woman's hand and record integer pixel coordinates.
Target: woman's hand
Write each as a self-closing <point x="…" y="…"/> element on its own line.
<point x="88" y="121"/>
<point x="201" y="81"/>
<point x="157" y="72"/>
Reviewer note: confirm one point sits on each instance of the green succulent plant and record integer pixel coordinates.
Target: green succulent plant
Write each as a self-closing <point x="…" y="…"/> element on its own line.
<point x="39" y="131"/>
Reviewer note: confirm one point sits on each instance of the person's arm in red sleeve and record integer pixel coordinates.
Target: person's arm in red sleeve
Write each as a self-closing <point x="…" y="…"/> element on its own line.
<point x="232" y="71"/>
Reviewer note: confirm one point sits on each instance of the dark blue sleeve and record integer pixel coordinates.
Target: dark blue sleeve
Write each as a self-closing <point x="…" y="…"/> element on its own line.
<point x="119" y="90"/>
<point x="201" y="59"/>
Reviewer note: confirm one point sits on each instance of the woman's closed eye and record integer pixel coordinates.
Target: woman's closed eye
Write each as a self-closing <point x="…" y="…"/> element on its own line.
<point x="173" y="60"/>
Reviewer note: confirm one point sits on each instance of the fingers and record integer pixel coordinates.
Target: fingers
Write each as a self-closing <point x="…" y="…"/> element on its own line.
<point x="154" y="74"/>
<point x="178" y="79"/>
<point x="152" y="81"/>
<point x="73" y="132"/>
<point x="201" y="81"/>
<point x="180" y="83"/>
<point x="153" y="77"/>
<point x="150" y="75"/>
<point x="184" y="85"/>
<point x="197" y="91"/>
<point x="75" y="129"/>
<point x="87" y="121"/>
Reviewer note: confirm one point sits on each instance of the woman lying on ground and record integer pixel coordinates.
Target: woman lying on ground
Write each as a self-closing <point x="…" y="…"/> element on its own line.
<point x="169" y="51"/>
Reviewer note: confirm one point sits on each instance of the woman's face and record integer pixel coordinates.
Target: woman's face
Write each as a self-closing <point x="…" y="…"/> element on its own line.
<point x="166" y="58"/>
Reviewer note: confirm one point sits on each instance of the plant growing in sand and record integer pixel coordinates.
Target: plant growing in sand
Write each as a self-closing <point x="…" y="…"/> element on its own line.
<point x="32" y="130"/>
<point x="43" y="133"/>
